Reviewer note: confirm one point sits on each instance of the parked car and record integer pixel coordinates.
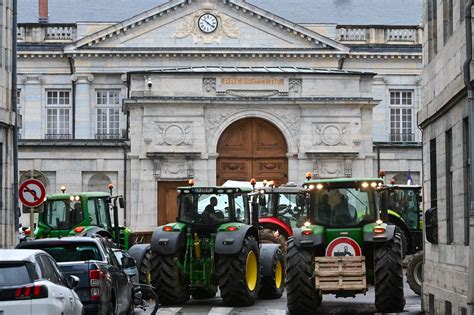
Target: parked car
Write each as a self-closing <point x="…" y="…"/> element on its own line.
<point x="104" y="286"/>
<point x="31" y="283"/>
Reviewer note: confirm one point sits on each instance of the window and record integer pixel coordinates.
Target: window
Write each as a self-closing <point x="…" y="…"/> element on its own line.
<point x="466" y="179"/>
<point x="432" y="29"/>
<point x="449" y="187"/>
<point x="447" y="20"/>
<point x="58" y="115"/>
<point x="108" y="114"/>
<point x="47" y="270"/>
<point x="19" y="112"/>
<point x="433" y="175"/>
<point x="401" y="116"/>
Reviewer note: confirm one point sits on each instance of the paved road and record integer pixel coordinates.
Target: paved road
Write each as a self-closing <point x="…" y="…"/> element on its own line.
<point x="361" y="304"/>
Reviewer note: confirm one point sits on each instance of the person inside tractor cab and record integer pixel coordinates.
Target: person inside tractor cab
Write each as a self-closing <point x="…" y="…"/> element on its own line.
<point x="344" y="211"/>
<point x="189" y="210"/>
<point x="77" y="215"/>
<point x="210" y="215"/>
<point x="324" y="209"/>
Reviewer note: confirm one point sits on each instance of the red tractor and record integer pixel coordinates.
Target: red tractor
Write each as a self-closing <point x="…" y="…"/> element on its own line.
<point x="281" y="209"/>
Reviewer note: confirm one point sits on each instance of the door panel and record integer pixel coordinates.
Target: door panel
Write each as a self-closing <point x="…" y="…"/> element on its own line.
<point x="167" y="201"/>
<point x="252" y="147"/>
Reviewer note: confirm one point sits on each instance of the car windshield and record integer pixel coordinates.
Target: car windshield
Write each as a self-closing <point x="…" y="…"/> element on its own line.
<point x="291" y="208"/>
<point x="210" y="208"/>
<point x="99" y="214"/>
<point x="69" y="252"/>
<point x="343" y="206"/>
<point x="13" y="274"/>
<point x="63" y="214"/>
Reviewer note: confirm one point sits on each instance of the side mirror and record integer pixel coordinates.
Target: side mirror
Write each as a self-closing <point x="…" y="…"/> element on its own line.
<point x="121" y="202"/>
<point x="128" y="262"/>
<point x="73" y="282"/>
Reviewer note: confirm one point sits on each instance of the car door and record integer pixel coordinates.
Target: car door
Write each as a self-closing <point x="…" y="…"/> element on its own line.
<point x="60" y="293"/>
<point x="121" y="280"/>
<point x="72" y="296"/>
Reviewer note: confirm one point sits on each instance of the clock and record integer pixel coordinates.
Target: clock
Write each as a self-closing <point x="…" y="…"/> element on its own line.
<point x="207" y="23"/>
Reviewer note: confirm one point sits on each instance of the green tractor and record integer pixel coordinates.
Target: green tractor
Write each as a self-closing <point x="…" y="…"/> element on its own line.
<point x="215" y="244"/>
<point x="343" y="247"/>
<point x="87" y="214"/>
<point x="401" y="205"/>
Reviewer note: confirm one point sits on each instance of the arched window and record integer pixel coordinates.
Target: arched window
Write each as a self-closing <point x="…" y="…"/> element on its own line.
<point x="99" y="182"/>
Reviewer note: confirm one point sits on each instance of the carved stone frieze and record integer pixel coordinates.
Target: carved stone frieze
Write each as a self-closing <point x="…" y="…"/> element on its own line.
<point x="174" y="134"/>
<point x="189" y="27"/>
<point x="209" y="85"/>
<point x="330" y="134"/>
<point x="215" y="118"/>
<point x="295" y="86"/>
<point x="291" y="118"/>
<point x="252" y="93"/>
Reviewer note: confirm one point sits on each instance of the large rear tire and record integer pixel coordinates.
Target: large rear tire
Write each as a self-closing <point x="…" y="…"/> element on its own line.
<point x="415" y="272"/>
<point x="302" y="296"/>
<point x="273" y="286"/>
<point x="268" y="236"/>
<point x="239" y="275"/>
<point x="168" y="280"/>
<point x="389" y="296"/>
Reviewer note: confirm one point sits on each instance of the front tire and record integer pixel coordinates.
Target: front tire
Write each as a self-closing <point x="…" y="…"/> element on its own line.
<point x="302" y="296"/>
<point x="239" y="275"/>
<point x="273" y="286"/>
<point x="268" y="236"/>
<point x="389" y="296"/>
<point x="415" y="272"/>
<point x="144" y="273"/>
<point x="168" y="280"/>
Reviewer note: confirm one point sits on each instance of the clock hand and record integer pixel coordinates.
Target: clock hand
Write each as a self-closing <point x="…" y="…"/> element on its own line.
<point x="208" y="23"/>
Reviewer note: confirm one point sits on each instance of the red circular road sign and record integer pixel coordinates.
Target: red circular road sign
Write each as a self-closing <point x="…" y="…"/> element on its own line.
<point x="343" y="246"/>
<point x="32" y="193"/>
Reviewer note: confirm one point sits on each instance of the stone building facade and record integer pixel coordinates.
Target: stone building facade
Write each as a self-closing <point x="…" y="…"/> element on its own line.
<point x="449" y="261"/>
<point x="152" y="100"/>
<point x="7" y="123"/>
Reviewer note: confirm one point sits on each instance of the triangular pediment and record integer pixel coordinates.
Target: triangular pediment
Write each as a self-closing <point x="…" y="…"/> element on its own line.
<point x="175" y="25"/>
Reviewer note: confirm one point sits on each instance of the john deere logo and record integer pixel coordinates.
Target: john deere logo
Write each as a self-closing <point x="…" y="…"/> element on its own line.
<point x="343" y="246"/>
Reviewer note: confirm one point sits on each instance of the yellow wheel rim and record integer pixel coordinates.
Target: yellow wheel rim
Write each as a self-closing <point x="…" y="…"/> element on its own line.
<point x="278" y="274"/>
<point x="149" y="277"/>
<point x="251" y="271"/>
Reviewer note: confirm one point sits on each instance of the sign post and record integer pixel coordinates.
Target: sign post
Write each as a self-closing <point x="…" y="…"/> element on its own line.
<point x="32" y="194"/>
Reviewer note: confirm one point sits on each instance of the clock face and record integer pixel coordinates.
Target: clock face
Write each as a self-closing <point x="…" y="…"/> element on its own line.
<point x="207" y="23"/>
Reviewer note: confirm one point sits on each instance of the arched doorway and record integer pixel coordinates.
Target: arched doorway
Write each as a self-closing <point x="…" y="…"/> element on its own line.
<point x="252" y="147"/>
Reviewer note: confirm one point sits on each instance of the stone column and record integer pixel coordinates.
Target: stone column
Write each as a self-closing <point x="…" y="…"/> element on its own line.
<point x="84" y="119"/>
<point x="32" y="108"/>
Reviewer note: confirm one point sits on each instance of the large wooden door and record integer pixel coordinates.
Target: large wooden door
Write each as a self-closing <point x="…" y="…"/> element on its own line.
<point x="167" y="202"/>
<point x="252" y="147"/>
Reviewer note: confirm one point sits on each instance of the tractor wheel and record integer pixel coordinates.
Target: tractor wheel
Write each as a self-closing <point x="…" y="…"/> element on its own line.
<point x="268" y="236"/>
<point x="272" y="287"/>
<point x="205" y="294"/>
<point x="389" y="296"/>
<point x="415" y="272"/>
<point x="168" y="280"/>
<point x="144" y="273"/>
<point x="302" y="296"/>
<point x="239" y="274"/>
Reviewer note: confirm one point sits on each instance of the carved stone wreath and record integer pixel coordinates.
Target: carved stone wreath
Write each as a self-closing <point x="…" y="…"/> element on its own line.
<point x="174" y="134"/>
<point x="189" y="27"/>
<point x="330" y="134"/>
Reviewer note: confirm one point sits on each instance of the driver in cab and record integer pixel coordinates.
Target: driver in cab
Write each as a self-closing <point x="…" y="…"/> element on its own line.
<point x="209" y="214"/>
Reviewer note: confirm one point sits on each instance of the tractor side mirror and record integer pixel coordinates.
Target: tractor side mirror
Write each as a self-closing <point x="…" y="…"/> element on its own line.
<point x="431" y="225"/>
<point x="121" y="202"/>
<point x="254" y="211"/>
<point x="128" y="262"/>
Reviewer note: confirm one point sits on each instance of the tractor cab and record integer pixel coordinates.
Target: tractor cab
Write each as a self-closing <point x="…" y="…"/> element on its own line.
<point x="85" y="213"/>
<point x="284" y="205"/>
<point x="213" y="206"/>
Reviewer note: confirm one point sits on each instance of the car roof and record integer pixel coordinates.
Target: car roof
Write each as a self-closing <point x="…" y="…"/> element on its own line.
<point x="27" y="255"/>
<point x="57" y="240"/>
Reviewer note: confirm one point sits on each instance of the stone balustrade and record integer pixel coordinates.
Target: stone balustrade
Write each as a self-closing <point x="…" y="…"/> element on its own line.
<point x="44" y="33"/>
<point x="378" y="34"/>
<point x="352" y="34"/>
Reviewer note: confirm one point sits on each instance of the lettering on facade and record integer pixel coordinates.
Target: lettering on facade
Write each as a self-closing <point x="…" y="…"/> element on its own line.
<point x="252" y="81"/>
<point x="277" y="85"/>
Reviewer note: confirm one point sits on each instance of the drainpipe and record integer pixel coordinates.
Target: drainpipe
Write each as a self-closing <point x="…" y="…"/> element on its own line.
<point x="72" y="69"/>
<point x="470" y="98"/>
<point x="16" y="207"/>
<point x="125" y="184"/>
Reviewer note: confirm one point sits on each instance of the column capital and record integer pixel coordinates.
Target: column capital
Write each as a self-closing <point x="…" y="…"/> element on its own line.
<point x="82" y="77"/>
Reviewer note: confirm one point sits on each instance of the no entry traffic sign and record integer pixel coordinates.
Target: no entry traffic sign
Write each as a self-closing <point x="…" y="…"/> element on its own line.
<point x="32" y="193"/>
<point x="343" y="246"/>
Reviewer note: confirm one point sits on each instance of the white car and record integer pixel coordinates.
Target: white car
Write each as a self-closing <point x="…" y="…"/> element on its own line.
<point x="31" y="284"/>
